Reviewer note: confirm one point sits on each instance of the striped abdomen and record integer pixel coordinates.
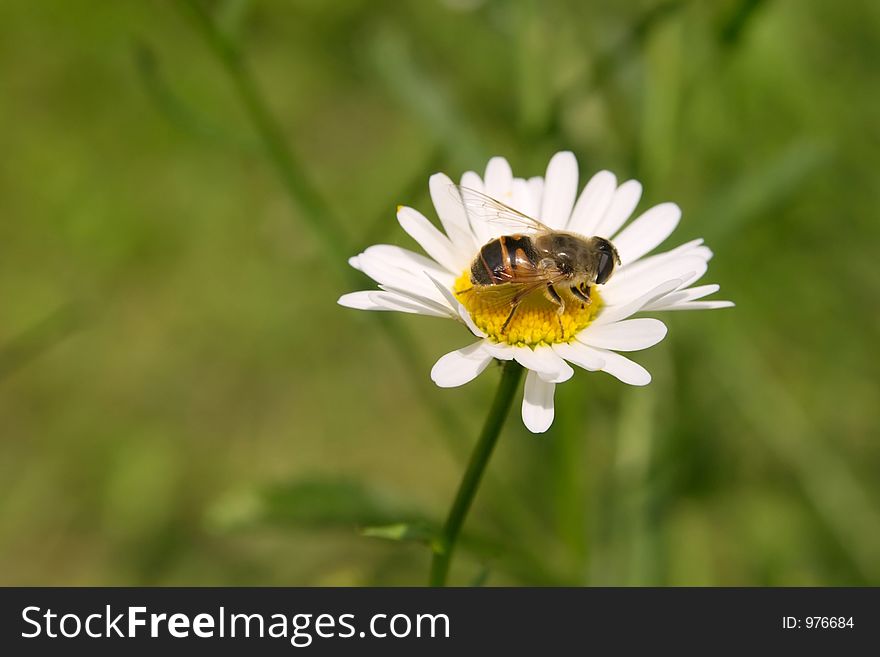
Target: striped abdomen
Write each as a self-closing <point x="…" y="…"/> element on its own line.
<point x="500" y="260"/>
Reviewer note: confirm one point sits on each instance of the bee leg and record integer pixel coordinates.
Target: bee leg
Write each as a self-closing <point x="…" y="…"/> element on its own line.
<point x="514" y="305"/>
<point x="553" y="295"/>
<point x="457" y="292"/>
<point x="582" y="293"/>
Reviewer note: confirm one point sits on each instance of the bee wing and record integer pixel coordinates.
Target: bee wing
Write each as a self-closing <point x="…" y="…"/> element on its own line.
<point x="503" y="296"/>
<point x="491" y="209"/>
<point x="516" y="289"/>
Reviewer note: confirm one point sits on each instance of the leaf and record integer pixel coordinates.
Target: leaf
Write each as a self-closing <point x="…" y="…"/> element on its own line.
<point x="481" y="577"/>
<point x="318" y="503"/>
<point x="402" y="531"/>
<point x="735" y="26"/>
<point x="35" y="340"/>
<point x="325" y="503"/>
<point x="173" y="108"/>
<point x="230" y="17"/>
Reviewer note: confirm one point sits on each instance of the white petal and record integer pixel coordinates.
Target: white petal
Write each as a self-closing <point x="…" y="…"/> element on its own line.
<point x="359" y="301"/>
<point x="354" y="262"/>
<point x="479" y="226"/>
<point x="698" y="305"/>
<point x="498" y="179"/>
<point x="501" y="185"/>
<point x="451" y="302"/>
<point x="692" y="248"/>
<point x="402" y="299"/>
<point x="615" y="313"/>
<point x="435" y="243"/>
<point x="593" y="203"/>
<point x="621" y="367"/>
<point x="537" y="407"/>
<point x="653" y="266"/>
<point x="499" y="350"/>
<point x="682" y="296"/>
<point x="392" y="270"/>
<point x="405" y="302"/>
<point x="465" y="316"/>
<point x="560" y="188"/>
<point x="565" y="373"/>
<point x="524" y="199"/>
<point x="450" y="210"/>
<point x="461" y="366"/>
<point x="580" y="355"/>
<point x="647" y="232"/>
<point x="536" y="186"/>
<point x="472" y="180"/>
<point x="627" y="335"/>
<point x="563" y="370"/>
<point x="390" y="301"/>
<point x="687" y="269"/>
<point x="404" y="259"/>
<point x="625" y="200"/>
<point x="694" y="293"/>
<point x="544" y="361"/>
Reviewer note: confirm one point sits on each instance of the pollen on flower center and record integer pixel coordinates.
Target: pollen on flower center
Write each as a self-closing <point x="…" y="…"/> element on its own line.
<point x="536" y="320"/>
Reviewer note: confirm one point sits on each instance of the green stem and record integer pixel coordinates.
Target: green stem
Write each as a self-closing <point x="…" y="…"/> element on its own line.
<point x="315" y="211"/>
<point x="511" y="374"/>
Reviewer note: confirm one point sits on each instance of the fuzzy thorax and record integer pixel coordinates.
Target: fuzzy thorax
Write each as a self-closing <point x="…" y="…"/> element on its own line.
<point x="536" y="320"/>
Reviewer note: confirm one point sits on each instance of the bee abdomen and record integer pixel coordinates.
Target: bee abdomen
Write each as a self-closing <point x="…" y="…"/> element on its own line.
<point x="499" y="260"/>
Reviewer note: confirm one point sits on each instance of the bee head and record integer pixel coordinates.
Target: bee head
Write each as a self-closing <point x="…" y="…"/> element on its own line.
<point x="607" y="257"/>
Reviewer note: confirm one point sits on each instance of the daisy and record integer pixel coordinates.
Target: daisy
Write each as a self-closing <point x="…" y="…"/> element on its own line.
<point x="586" y="335"/>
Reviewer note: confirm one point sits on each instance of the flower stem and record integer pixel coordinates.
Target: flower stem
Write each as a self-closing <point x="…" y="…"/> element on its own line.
<point x="444" y="546"/>
<point x="315" y="211"/>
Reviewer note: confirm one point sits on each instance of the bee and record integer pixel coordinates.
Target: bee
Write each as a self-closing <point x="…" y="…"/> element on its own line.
<point x="545" y="261"/>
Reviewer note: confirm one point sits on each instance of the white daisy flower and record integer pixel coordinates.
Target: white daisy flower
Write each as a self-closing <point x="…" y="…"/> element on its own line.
<point x="587" y="335"/>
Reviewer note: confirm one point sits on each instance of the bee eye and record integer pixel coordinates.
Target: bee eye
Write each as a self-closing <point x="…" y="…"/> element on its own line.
<point x="606" y="266"/>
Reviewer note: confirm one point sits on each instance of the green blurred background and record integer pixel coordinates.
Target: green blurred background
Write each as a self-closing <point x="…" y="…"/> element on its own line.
<point x="183" y="402"/>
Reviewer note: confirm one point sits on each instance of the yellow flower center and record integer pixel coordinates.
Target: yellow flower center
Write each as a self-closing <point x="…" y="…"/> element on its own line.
<point x="536" y="320"/>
